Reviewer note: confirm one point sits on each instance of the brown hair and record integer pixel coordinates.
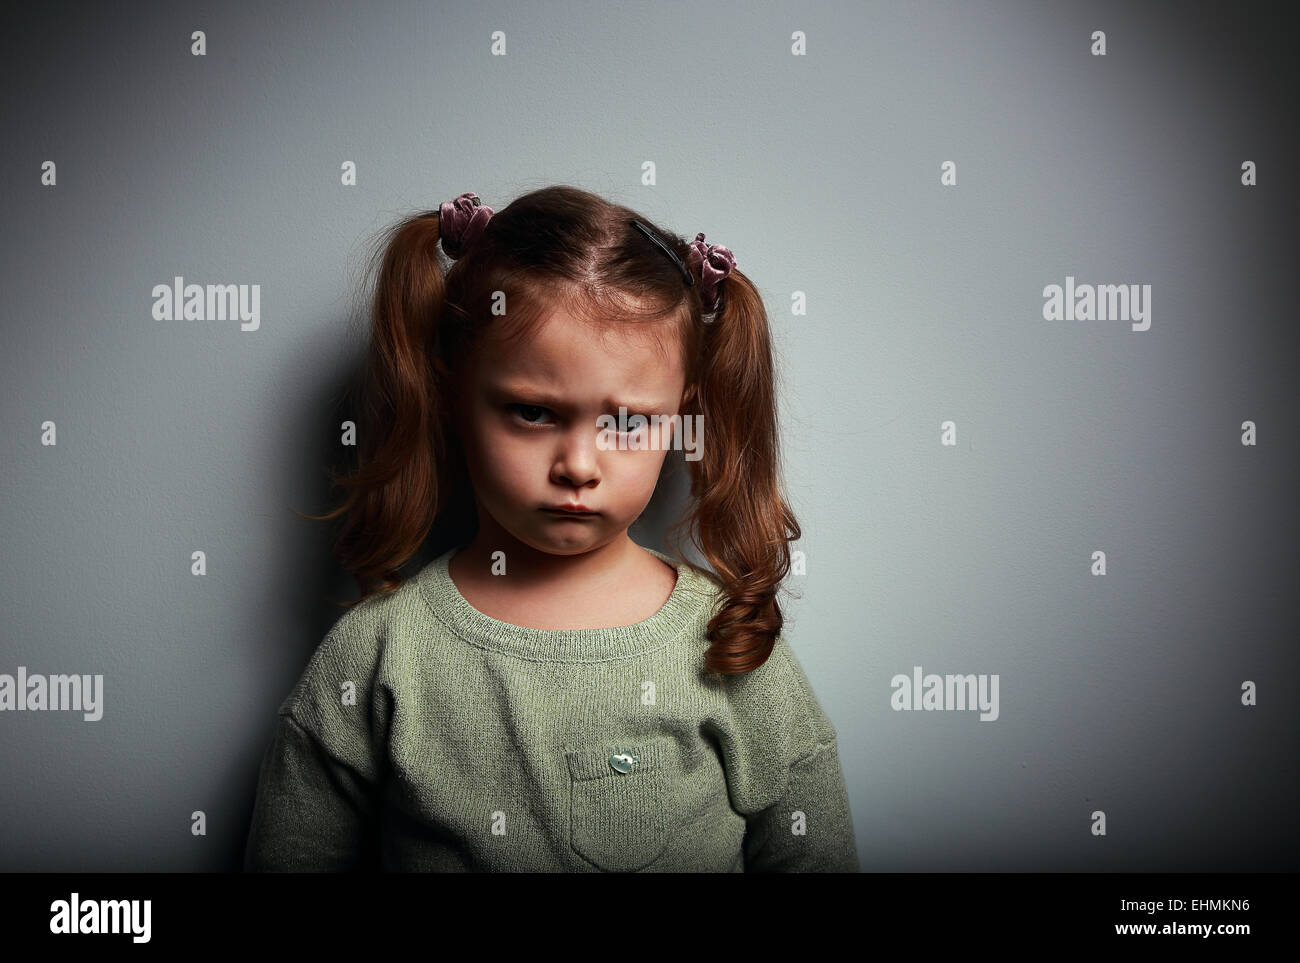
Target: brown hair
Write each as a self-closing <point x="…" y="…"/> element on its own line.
<point x="562" y="246"/>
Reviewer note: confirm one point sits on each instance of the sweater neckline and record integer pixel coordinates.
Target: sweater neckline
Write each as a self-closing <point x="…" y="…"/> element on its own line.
<point x="477" y="628"/>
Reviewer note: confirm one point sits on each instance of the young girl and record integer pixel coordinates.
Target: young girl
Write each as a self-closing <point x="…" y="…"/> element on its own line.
<point x="547" y="695"/>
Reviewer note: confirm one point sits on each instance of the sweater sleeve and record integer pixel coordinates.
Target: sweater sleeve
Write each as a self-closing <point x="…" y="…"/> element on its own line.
<point x="319" y="795"/>
<point x="785" y="775"/>
<point x="314" y="812"/>
<point x="810" y="829"/>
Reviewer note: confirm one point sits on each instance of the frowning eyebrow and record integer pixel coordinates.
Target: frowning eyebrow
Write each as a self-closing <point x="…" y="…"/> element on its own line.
<point x="548" y="400"/>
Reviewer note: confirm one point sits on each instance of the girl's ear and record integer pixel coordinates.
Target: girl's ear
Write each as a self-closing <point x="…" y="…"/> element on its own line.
<point x="453" y="415"/>
<point x="458" y="409"/>
<point x="450" y="391"/>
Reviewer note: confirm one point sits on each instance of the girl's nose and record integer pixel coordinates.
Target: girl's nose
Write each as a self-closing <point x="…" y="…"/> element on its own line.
<point x="575" y="461"/>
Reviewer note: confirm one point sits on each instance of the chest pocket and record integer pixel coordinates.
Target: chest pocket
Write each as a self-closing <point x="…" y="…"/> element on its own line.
<point x="619" y="803"/>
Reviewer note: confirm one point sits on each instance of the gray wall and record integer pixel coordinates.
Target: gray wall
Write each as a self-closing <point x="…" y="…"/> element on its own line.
<point x="1118" y="692"/>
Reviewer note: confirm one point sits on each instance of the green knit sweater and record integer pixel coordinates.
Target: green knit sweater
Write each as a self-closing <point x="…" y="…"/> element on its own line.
<point x="425" y="735"/>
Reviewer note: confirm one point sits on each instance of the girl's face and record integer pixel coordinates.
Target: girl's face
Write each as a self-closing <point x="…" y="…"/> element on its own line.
<point x="532" y="442"/>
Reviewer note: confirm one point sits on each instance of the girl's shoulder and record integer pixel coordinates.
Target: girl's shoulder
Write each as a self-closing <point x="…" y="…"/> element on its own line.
<point x="778" y="698"/>
<point x="693" y="579"/>
<point x="355" y="646"/>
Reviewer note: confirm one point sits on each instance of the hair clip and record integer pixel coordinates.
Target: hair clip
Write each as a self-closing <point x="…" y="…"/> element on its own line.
<point x="659" y="243"/>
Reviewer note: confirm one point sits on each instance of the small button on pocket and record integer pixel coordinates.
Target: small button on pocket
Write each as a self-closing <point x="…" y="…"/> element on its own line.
<point x="622" y="761"/>
<point x="618" y="808"/>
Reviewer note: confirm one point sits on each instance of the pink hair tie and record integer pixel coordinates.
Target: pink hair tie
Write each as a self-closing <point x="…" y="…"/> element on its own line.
<point x="460" y="222"/>
<point x="711" y="263"/>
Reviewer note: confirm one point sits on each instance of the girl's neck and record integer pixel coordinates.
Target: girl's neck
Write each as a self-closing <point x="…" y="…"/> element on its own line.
<point x="616" y="584"/>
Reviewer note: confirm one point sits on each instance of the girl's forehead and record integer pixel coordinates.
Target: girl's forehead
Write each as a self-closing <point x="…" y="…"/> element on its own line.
<point x="561" y="340"/>
<point x="571" y="361"/>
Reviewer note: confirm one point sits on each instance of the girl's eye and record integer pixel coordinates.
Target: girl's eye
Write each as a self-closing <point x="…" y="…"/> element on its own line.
<point x="528" y="413"/>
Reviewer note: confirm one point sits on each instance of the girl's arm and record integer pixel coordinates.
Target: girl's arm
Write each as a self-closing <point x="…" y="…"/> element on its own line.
<point x="318" y="803"/>
<point x="781" y="752"/>
<point x="314" y="812"/>
<point x="810" y="829"/>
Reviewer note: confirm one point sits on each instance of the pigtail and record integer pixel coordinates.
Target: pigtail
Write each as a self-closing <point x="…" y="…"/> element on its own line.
<point x="740" y="520"/>
<point x="396" y="491"/>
